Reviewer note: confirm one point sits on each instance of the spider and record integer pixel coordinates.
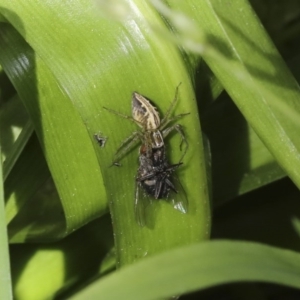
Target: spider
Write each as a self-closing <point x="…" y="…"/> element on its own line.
<point x="156" y="179"/>
<point x="154" y="130"/>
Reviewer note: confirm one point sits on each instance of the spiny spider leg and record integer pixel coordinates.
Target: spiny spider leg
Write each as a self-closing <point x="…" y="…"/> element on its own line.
<point x="166" y="117"/>
<point x="131" y="119"/>
<point x="178" y="128"/>
<point x="127" y="144"/>
<point x="172" y="119"/>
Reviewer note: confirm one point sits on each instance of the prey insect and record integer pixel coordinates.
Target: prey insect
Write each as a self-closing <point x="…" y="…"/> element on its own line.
<point x="153" y="129"/>
<point x="156" y="179"/>
<point x="101" y="140"/>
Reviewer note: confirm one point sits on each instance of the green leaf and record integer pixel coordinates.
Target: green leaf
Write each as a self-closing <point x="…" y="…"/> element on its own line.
<point x="197" y="267"/>
<point x="13" y="117"/>
<point x="5" y="276"/>
<point x="236" y="148"/>
<point x="72" y="64"/>
<point x="18" y="148"/>
<point x="251" y="70"/>
<point x="64" y="87"/>
<point x="28" y="174"/>
<point x="65" y="264"/>
<point x="63" y="136"/>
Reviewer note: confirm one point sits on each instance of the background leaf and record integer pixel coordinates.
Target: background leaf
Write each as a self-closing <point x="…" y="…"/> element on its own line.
<point x="93" y="54"/>
<point x="187" y="271"/>
<point x="5" y="277"/>
<point x="64" y="127"/>
<point x="67" y="263"/>
<point x="252" y="72"/>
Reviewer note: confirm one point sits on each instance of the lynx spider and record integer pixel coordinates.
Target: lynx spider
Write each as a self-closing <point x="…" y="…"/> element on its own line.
<point x="154" y="130"/>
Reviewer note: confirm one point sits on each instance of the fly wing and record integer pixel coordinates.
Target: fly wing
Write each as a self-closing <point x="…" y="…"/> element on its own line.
<point x="141" y="201"/>
<point x="179" y="200"/>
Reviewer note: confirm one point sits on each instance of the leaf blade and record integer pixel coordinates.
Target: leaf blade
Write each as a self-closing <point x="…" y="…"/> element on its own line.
<point x="197" y="267"/>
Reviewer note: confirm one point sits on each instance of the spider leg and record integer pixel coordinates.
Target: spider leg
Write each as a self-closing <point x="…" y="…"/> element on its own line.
<point x="172" y="168"/>
<point x="166" y="122"/>
<point x="178" y="128"/>
<point x="166" y="117"/>
<point x="131" y="119"/>
<point x="127" y="145"/>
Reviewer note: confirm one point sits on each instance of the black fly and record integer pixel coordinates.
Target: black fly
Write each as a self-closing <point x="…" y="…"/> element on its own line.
<point x="156" y="179"/>
<point x="154" y="174"/>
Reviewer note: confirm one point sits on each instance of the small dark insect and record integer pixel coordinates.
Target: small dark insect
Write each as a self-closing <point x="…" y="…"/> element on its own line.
<point x="155" y="179"/>
<point x="101" y="140"/>
<point x="154" y="130"/>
